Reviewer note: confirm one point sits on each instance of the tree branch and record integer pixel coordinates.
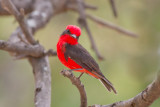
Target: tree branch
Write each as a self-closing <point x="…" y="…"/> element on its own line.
<point x="143" y="99"/>
<point x="42" y="75"/>
<point x="27" y="5"/>
<point x="76" y="81"/>
<point x="9" y="6"/>
<point x="112" y="3"/>
<point x="89" y="6"/>
<point x="25" y="50"/>
<point x="111" y="26"/>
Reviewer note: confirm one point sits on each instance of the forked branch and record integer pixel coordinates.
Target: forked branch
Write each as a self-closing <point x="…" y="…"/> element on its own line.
<point x="9" y="6"/>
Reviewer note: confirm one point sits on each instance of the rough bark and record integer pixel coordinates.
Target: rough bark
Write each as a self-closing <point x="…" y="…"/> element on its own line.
<point x="143" y="99"/>
<point x="42" y="75"/>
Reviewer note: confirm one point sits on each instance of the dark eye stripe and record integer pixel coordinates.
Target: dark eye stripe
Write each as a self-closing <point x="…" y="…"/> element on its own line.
<point x="68" y="31"/>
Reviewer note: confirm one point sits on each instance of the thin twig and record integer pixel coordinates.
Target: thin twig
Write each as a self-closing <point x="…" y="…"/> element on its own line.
<point x="112" y="3"/>
<point x="111" y="26"/>
<point x="89" y="6"/>
<point x="143" y="99"/>
<point x="83" y="22"/>
<point x="93" y="44"/>
<point x="76" y="81"/>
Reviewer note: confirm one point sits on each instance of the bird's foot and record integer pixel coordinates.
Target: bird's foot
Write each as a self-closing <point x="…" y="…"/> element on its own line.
<point x="80" y="75"/>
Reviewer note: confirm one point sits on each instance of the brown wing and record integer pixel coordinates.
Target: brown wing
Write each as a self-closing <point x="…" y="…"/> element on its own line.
<point x="81" y="56"/>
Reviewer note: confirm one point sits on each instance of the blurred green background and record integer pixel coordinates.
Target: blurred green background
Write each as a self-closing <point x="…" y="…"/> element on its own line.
<point x="130" y="63"/>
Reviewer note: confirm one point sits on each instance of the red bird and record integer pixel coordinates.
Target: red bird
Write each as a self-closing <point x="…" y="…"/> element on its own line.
<point x="77" y="58"/>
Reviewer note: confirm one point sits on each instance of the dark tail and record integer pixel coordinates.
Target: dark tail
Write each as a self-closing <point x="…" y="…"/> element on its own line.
<point x="107" y="84"/>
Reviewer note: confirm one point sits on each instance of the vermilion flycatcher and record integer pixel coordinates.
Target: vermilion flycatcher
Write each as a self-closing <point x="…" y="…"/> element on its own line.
<point x="77" y="58"/>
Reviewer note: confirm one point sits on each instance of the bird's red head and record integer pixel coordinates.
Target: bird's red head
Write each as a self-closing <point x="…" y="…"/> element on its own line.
<point x="71" y="34"/>
<point x="74" y="30"/>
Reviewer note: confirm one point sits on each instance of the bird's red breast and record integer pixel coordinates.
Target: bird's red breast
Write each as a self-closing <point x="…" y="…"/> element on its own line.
<point x="60" y="52"/>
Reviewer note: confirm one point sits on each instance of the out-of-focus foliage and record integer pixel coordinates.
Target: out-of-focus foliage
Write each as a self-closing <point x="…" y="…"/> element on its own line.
<point x="130" y="63"/>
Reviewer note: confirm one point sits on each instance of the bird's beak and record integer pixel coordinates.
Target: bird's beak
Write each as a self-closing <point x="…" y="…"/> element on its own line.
<point x="65" y="32"/>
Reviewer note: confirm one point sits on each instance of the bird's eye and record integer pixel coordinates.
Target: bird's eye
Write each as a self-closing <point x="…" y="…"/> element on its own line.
<point x="68" y="31"/>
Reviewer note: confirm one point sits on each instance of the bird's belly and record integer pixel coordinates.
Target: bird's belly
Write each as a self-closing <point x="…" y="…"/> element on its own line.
<point x="68" y="63"/>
